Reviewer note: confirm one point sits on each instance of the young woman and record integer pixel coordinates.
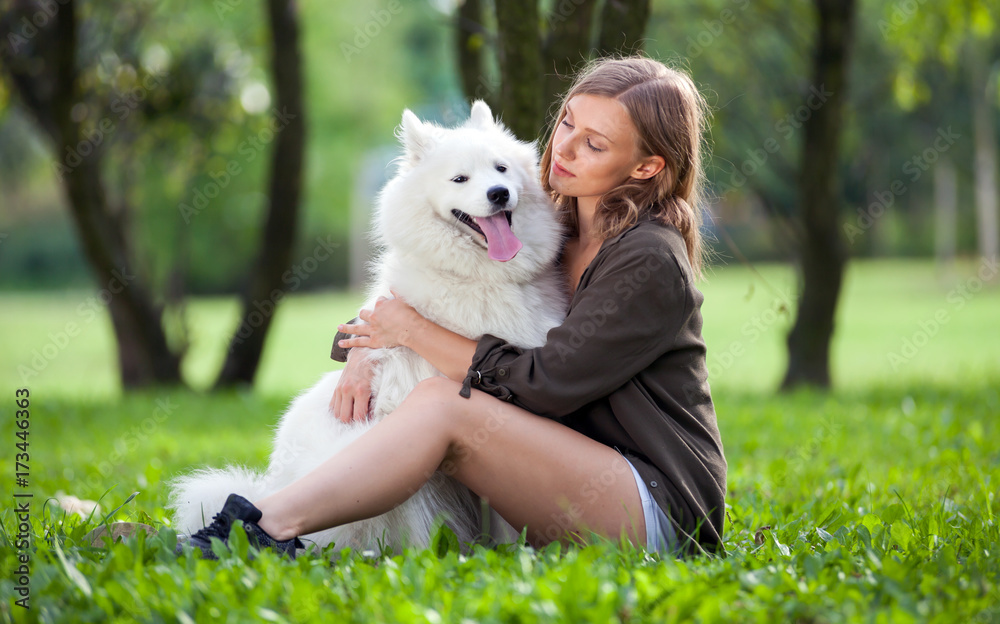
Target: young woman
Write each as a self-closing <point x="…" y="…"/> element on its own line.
<point x="609" y="427"/>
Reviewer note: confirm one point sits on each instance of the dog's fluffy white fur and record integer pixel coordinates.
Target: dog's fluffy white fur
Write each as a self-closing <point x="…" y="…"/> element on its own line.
<point x="441" y="266"/>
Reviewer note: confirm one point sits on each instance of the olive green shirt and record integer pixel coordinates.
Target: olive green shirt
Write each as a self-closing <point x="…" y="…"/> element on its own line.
<point x="627" y="368"/>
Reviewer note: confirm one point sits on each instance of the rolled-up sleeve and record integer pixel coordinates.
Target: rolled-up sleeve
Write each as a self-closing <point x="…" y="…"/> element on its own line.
<point x="339" y="353"/>
<point x="628" y="314"/>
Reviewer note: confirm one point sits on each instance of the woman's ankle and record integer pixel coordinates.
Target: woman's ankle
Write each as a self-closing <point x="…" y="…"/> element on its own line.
<point x="272" y="524"/>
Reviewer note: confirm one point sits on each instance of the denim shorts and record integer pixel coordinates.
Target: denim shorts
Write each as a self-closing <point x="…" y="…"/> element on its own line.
<point x="660" y="534"/>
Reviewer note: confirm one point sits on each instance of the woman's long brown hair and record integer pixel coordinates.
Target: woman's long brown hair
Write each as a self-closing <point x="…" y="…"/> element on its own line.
<point x="669" y="116"/>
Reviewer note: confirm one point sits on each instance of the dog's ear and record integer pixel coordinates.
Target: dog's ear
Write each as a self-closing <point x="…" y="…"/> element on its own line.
<point x="481" y="116"/>
<point x="416" y="136"/>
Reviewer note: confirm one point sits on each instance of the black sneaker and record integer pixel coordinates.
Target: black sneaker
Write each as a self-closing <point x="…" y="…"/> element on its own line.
<point x="237" y="508"/>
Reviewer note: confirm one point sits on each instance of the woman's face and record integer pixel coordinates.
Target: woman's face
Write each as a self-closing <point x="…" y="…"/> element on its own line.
<point x="595" y="148"/>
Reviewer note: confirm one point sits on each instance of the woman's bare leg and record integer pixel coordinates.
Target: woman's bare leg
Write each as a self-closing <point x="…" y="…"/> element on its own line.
<point x="535" y="472"/>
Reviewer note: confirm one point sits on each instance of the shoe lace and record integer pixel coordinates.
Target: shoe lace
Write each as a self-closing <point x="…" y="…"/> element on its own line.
<point x="219" y="527"/>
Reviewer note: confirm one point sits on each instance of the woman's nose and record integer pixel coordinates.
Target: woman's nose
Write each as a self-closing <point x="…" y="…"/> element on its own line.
<point x="563" y="151"/>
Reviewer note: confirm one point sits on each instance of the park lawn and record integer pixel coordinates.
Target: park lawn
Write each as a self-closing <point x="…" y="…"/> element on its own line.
<point x="873" y="503"/>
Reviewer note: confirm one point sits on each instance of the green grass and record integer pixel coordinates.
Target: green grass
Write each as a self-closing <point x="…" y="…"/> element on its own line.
<point x="878" y="498"/>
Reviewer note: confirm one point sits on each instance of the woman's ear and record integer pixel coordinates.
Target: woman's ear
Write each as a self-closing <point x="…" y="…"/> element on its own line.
<point x="649" y="167"/>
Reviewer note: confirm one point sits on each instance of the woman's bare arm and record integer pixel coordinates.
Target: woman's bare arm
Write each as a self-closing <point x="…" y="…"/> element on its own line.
<point x="394" y="323"/>
<point x="447" y="351"/>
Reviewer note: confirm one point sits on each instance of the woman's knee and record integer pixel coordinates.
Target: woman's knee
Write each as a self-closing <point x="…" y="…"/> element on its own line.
<point x="437" y="397"/>
<point x="438" y="391"/>
<point x="438" y="386"/>
<point x="470" y="421"/>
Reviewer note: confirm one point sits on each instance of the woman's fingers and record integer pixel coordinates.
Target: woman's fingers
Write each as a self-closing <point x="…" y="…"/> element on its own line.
<point x="340" y="397"/>
<point x="350" y="402"/>
<point x="337" y="404"/>
<point x="347" y="408"/>
<point x="361" y="335"/>
<point x="360" y="407"/>
<point x="356" y="341"/>
<point x="360" y="329"/>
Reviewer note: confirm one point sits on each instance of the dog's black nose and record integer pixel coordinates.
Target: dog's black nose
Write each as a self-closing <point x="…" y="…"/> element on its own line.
<point x="498" y="195"/>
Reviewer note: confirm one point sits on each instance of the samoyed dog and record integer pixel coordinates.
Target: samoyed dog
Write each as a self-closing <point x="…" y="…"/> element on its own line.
<point x="468" y="238"/>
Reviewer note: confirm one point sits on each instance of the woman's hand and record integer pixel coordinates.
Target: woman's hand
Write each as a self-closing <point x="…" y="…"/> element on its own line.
<point x="388" y="325"/>
<point x="351" y="400"/>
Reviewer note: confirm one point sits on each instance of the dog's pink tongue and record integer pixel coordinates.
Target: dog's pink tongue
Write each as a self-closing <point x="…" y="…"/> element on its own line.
<point x="500" y="241"/>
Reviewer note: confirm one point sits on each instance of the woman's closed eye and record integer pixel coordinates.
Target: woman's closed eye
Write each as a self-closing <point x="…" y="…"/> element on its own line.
<point x="589" y="144"/>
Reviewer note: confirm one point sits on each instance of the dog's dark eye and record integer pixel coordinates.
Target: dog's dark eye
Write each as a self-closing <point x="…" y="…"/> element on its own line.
<point x="501" y="168"/>
<point x="460" y="179"/>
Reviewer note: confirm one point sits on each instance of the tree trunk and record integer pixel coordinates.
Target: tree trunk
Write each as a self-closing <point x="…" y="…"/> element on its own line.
<point x="945" y="212"/>
<point x="43" y="71"/>
<point x="266" y="285"/>
<point x="985" y="168"/>
<point x="520" y="67"/>
<point x="531" y="86"/>
<point x="822" y="252"/>
<point x="567" y="46"/>
<point x="623" y="23"/>
<point x="470" y="41"/>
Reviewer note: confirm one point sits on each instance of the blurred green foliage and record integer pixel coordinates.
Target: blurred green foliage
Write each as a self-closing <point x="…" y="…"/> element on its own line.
<point x="363" y="65"/>
<point x="167" y="156"/>
<point x="887" y="303"/>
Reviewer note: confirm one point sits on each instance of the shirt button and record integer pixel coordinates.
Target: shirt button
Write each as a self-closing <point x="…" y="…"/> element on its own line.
<point x="502" y="372"/>
<point x="652" y="484"/>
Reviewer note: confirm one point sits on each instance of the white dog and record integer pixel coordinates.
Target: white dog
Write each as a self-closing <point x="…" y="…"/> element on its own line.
<point x="469" y="239"/>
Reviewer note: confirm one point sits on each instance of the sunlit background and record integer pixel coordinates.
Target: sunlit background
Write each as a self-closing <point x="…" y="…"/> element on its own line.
<point x="189" y="135"/>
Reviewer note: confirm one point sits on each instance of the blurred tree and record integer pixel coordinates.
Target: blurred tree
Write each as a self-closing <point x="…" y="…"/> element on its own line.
<point x="520" y="58"/>
<point x="821" y="250"/>
<point x="470" y="43"/>
<point x="536" y="64"/>
<point x="750" y="61"/>
<point x="266" y="287"/>
<point x="40" y="58"/>
<point x="952" y="34"/>
<point x="80" y="72"/>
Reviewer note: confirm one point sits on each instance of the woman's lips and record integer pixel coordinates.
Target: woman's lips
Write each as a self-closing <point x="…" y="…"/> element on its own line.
<point x="561" y="171"/>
